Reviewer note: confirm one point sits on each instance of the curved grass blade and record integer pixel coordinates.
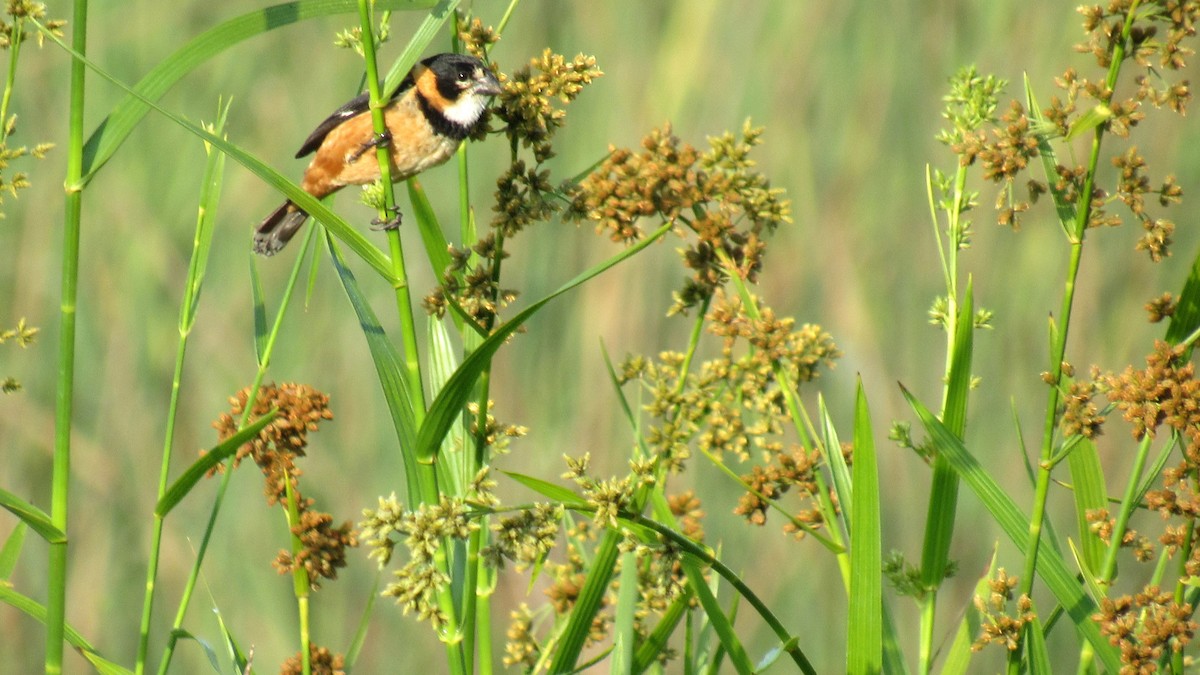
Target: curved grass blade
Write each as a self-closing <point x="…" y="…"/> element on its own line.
<point x="556" y="492"/>
<point x="716" y="616"/>
<point x="37" y="610"/>
<point x="1063" y="207"/>
<point x="12" y="551"/>
<point x="1186" y="318"/>
<point x="436" y="246"/>
<point x="184" y="484"/>
<point x="116" y="127"/>
<point x="32" y="516"/>
<point x="1087" y="479"/>
<point x="261" y="329"/>
<point x="450" y="400"/>
<point x="1050" y="565"/>
<point x="389" y="366"/>
<point x="865" y="638"/>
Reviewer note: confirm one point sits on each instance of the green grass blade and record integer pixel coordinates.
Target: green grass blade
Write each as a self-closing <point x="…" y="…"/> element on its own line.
<point x="943" y="493"/>
<point x="32" y="516"/>
<point x="116" y="127"/>
<point x="1186" y="318"/>
<point x="865" y="631"/>
<point x="184" y="484"/>
<point x="389" y="366"/>
<point x="1038" y="655"/>
<point x="443" y="360"/>
<point x="11" y="553"/>
<point x="1087" y="478"/>
<point x="1063" y="207"/>
<point x="558" y="493"/>
<point x="624" y="635"/>
<point x="37" y="611"/>
<point x="261" y="329"/>
<point x="210" y="193"/>
<point x="650" y="648"/>
<point x="436" y="246"/>
<point x="448" y="405"/>
<point x="205" y="646"/>
<point x="1050" y="565"/>
<point x="842" y="482"/>
<point x="716" y="616"/>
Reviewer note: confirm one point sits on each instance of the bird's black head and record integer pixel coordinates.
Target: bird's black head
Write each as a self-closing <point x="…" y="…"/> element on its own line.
<point x="460" y="75"/>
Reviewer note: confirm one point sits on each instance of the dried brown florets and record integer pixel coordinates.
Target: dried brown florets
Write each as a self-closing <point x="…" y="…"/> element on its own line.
<point x="323" y="662"/>
<point x="1165" y="392"/>
<point x="476" y="38"/>
<point x="323" y="547"/>
<point x="526" y="105"/>
<point x="998" y="625"/>
<point x="716" y="195"/>
<point x="276" y="447"/>
<point x="1145" y="625"/>
<point x="1080" y="414"/>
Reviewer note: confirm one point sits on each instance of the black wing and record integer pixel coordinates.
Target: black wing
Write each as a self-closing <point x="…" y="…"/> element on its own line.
<point x="356" y="106"/>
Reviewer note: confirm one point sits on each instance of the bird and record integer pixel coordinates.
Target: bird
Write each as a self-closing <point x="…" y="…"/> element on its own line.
<point x="439" y="103"/>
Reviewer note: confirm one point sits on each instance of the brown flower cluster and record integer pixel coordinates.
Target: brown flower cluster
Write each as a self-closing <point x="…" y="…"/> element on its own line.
<point x="1164" y="392"/>
<point x="1144" y="626"/>
<point x="1100" y="523"/>
<point x="526" y="105"/>
<point x="717" y="195"/>
<point x="521" y="648"/>
<point x="1160" y="308"/>
<point x="787" y="471"/>
<point x="276" y="447"/>
<point x="323" y="546"/>
<point x="476" y="38"/>
<point x="1080" y="414"/>
<point x="323" y="662"/>
<point x="999" y="626"/>
<point x="275" y="450"/>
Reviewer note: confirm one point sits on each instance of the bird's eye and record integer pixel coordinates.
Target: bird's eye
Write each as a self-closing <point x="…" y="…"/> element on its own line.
<point x="463" y="75"/>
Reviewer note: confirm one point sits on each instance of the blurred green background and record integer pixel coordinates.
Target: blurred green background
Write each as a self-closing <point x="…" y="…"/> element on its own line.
<point x="850" y="94"/>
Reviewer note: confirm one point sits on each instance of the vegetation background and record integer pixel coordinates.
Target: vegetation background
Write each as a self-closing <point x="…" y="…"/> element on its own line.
<point x="850" y="94"/>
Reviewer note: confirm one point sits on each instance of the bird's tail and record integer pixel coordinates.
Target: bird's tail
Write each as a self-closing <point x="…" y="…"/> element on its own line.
<point x="277" y="229"/>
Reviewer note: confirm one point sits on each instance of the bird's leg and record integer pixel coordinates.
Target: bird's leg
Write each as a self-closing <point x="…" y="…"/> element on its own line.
<point x="378" y="141"/>
<point x="389" y="224"/>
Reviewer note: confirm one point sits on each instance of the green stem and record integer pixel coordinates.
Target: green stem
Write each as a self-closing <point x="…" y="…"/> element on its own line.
<point x="14" y="51"/>
<point x="56" y="597"/>
<point x="427" y="479"/>
<point x="940" y="517"/>
<point x="301" y="583"/>
<point x="264" y="364"/>
<point x="1083" y="215"/>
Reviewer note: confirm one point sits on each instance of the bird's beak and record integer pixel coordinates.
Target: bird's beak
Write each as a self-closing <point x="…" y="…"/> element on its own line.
<point x="487" y="84"/>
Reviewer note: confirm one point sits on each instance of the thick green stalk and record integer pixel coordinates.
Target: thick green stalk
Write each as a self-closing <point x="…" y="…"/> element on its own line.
<point x="56" y="598"/>
<point x="408" y="330"/>
<point x="428" y="479"/>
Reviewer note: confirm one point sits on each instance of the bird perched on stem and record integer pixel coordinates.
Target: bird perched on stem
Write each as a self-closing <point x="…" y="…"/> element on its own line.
<point x="439" y="103"/>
